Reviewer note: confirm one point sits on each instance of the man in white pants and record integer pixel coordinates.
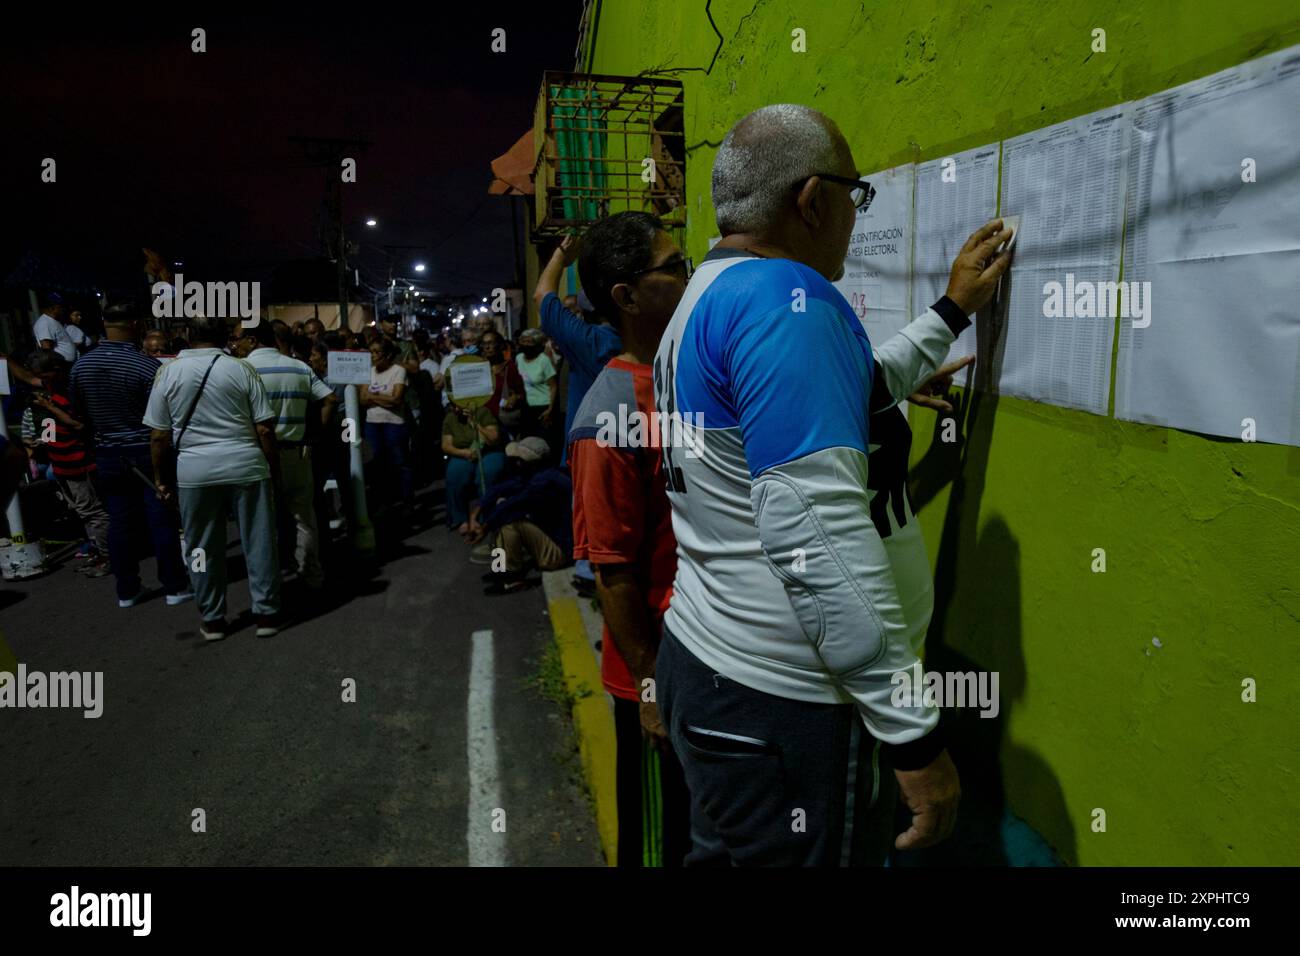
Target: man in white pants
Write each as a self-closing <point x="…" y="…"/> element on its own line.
<point x="212" y="408"/>
<point x="290" y="386"/>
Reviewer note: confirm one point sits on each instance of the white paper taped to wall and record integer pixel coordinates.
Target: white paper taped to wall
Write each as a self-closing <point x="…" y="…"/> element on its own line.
<point x="1067" y="184"/>
<point x="878" y="267"/>
<point x="955" y="195"/>
<point x="1213" y="235"/>
<point x="1012" y="223"/>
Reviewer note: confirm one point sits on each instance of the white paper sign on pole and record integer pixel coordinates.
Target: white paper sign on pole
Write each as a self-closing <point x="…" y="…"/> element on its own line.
<point x="472" y="379"/>
<point x="348" y="367"/>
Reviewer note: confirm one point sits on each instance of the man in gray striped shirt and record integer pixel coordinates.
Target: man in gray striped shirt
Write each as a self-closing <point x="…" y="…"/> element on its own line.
<point x="290" y="386"/>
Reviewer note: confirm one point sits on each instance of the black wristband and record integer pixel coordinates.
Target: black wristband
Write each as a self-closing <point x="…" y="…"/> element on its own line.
<point x="952" y="314"/>
<point x="918" y="753"/>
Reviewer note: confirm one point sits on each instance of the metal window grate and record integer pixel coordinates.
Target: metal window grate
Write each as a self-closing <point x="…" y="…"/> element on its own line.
<point x="607" y="144"/>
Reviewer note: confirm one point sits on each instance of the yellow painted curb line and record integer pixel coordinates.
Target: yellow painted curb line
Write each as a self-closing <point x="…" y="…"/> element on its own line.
<point x="592" y="720"/>
<point x="7" y="660"/>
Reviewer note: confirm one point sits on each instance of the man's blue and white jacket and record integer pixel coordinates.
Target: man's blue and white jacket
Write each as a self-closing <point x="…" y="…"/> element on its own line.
<point x="801" y="571"/>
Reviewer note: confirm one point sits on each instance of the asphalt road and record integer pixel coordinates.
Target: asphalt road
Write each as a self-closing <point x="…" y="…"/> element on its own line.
<point x="255" y="732"/>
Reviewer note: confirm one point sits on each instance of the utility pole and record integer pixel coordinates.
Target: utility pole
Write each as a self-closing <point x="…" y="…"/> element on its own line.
<point x="514" y="241"/>
<point x="391" y="255"/>
<point x="330" y="154"/>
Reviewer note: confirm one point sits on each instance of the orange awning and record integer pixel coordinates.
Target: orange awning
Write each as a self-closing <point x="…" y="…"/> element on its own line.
<point x="513" y="170"/>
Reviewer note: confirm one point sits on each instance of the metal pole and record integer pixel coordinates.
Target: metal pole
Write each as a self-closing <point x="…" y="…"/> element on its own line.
<point x="343" y="255"/>
<point x="514" y="241"/>
<point x="363" y="532"/>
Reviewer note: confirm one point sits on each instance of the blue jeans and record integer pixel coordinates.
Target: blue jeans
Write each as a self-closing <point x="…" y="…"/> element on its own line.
<point x="463" y="486"/>
<point x="393" y="479"/>
<point x="132" y="507"/>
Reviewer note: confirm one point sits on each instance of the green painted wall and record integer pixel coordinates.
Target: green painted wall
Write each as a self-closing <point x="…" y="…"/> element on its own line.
<point x="1200" y="534"/>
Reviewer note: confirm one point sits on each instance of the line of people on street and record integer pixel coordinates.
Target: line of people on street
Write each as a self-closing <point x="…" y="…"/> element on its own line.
<point x="151" y="433"/>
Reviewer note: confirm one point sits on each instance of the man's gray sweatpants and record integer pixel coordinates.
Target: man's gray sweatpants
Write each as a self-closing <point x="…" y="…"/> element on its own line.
<point x="204" y="512"/>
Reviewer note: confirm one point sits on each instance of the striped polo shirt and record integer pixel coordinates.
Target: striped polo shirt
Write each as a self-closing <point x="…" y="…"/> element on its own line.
<point x="111" y="385"/>
<point x="290" y="385"/>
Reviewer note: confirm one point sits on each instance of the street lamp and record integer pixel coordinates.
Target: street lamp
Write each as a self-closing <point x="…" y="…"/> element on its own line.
<point x="372" y="222"/>
<point x="419" y="267"/>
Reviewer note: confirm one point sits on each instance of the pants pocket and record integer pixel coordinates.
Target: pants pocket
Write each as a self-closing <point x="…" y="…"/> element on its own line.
<point x="720" y="743"/>
<point x="738" y="783"/>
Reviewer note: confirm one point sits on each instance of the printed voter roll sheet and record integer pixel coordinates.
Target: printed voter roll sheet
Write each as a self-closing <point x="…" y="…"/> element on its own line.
<point x="955" y="195"/>
<point x="878" y="266"/>
<point x="1067" y="183"/>
<point x="1214" y="227"/>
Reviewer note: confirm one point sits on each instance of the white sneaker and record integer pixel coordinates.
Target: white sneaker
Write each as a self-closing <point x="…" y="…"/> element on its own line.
<point x="175" y="599"/>
<point x="132" y="601"/>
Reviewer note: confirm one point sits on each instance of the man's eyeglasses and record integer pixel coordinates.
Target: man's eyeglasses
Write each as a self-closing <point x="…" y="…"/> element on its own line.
<point x="683" y="264"/>
<point x="861" y="191"/>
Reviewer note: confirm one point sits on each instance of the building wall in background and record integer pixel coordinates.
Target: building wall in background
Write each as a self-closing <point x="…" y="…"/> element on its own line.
<point x="1120" y="691"/>
<point x="360" y="314"/>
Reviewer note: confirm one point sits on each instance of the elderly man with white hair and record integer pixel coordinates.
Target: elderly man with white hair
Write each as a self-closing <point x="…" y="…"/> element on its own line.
<point x="802" y="583"/>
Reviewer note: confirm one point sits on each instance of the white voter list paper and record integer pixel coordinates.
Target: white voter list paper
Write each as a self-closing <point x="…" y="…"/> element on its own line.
<point x="955" y="195"/>
<point x="1067" y="184"/>
<point x="1214" y="235"/>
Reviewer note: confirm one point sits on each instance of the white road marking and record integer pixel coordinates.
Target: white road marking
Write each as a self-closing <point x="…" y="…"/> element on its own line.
<point x="486" y="847"/>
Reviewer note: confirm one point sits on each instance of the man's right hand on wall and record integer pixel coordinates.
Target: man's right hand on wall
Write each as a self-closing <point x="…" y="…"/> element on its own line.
<point x="979" y="266"/>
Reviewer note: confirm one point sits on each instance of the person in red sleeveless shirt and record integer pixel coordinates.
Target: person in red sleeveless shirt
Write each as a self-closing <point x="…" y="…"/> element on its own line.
<point x="70" y="459"/>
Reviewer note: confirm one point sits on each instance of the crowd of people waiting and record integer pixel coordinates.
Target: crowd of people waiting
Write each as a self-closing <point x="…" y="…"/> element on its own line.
<point x="148" y="441"/>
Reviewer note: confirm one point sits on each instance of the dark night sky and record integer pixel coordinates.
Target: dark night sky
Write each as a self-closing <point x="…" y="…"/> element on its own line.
<point x="190" y="152"/>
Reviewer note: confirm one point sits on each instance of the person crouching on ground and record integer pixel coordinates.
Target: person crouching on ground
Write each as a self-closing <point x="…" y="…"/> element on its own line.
<point x="528" y="514"/>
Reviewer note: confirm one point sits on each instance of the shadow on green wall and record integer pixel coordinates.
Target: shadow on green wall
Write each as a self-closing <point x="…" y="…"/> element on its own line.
<point x="977" y="627"/>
